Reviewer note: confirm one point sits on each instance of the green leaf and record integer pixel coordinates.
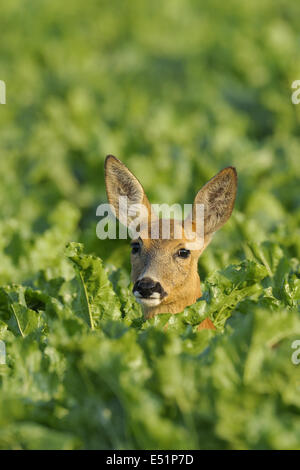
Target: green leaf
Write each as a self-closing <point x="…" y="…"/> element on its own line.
<point x="96" y="299"/>
<point x="20" y="319"/>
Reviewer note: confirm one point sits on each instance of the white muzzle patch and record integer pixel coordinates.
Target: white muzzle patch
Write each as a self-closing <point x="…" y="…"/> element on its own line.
<point x="151" y="301"/>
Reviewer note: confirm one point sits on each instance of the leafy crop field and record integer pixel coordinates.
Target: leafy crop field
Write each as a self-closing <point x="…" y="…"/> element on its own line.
<point x="177" y="90"/>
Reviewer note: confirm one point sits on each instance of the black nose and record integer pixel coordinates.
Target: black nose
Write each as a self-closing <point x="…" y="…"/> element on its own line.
<point x="147" y="286"/>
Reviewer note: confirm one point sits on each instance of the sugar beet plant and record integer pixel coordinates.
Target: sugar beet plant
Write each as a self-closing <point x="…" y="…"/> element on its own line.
<point x="84" y="369"/>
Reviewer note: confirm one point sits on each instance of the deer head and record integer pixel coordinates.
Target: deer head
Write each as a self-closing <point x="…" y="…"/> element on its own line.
<point x="164" y="269"/>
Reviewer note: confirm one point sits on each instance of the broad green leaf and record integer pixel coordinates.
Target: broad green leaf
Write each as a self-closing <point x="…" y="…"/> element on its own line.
<point x="96" y="299"/>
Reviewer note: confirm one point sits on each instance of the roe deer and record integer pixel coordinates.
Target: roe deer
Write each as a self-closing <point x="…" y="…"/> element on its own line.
<point x="164" y="271"/>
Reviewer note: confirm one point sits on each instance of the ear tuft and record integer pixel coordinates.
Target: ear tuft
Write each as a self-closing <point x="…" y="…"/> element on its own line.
<point x="119" y="182"/>
<point x="218" y="197"/>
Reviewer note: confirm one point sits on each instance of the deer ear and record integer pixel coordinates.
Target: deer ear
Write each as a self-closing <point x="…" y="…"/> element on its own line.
<point x="120" y="182"/>
<point x="218" y="197"/>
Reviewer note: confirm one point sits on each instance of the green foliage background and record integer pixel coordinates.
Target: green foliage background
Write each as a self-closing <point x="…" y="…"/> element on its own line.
<point x="178" y="90"/>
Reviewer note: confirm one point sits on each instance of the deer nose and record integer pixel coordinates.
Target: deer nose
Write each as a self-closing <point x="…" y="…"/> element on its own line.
<point x="147" y="286"/>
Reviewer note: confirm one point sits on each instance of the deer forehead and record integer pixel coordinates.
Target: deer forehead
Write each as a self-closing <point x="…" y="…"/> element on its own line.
<point x="165" y="232"/>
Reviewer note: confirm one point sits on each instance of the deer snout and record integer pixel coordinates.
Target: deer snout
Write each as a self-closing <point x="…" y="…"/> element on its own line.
<point x="147" y="287"/>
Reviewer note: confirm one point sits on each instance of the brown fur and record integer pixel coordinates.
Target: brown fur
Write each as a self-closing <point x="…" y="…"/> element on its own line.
<point x="157" y="258"/>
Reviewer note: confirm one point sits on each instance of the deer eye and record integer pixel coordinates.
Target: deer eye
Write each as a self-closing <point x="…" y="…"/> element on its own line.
<point x="135" y="248"/>
<point x="183" y="253"/>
